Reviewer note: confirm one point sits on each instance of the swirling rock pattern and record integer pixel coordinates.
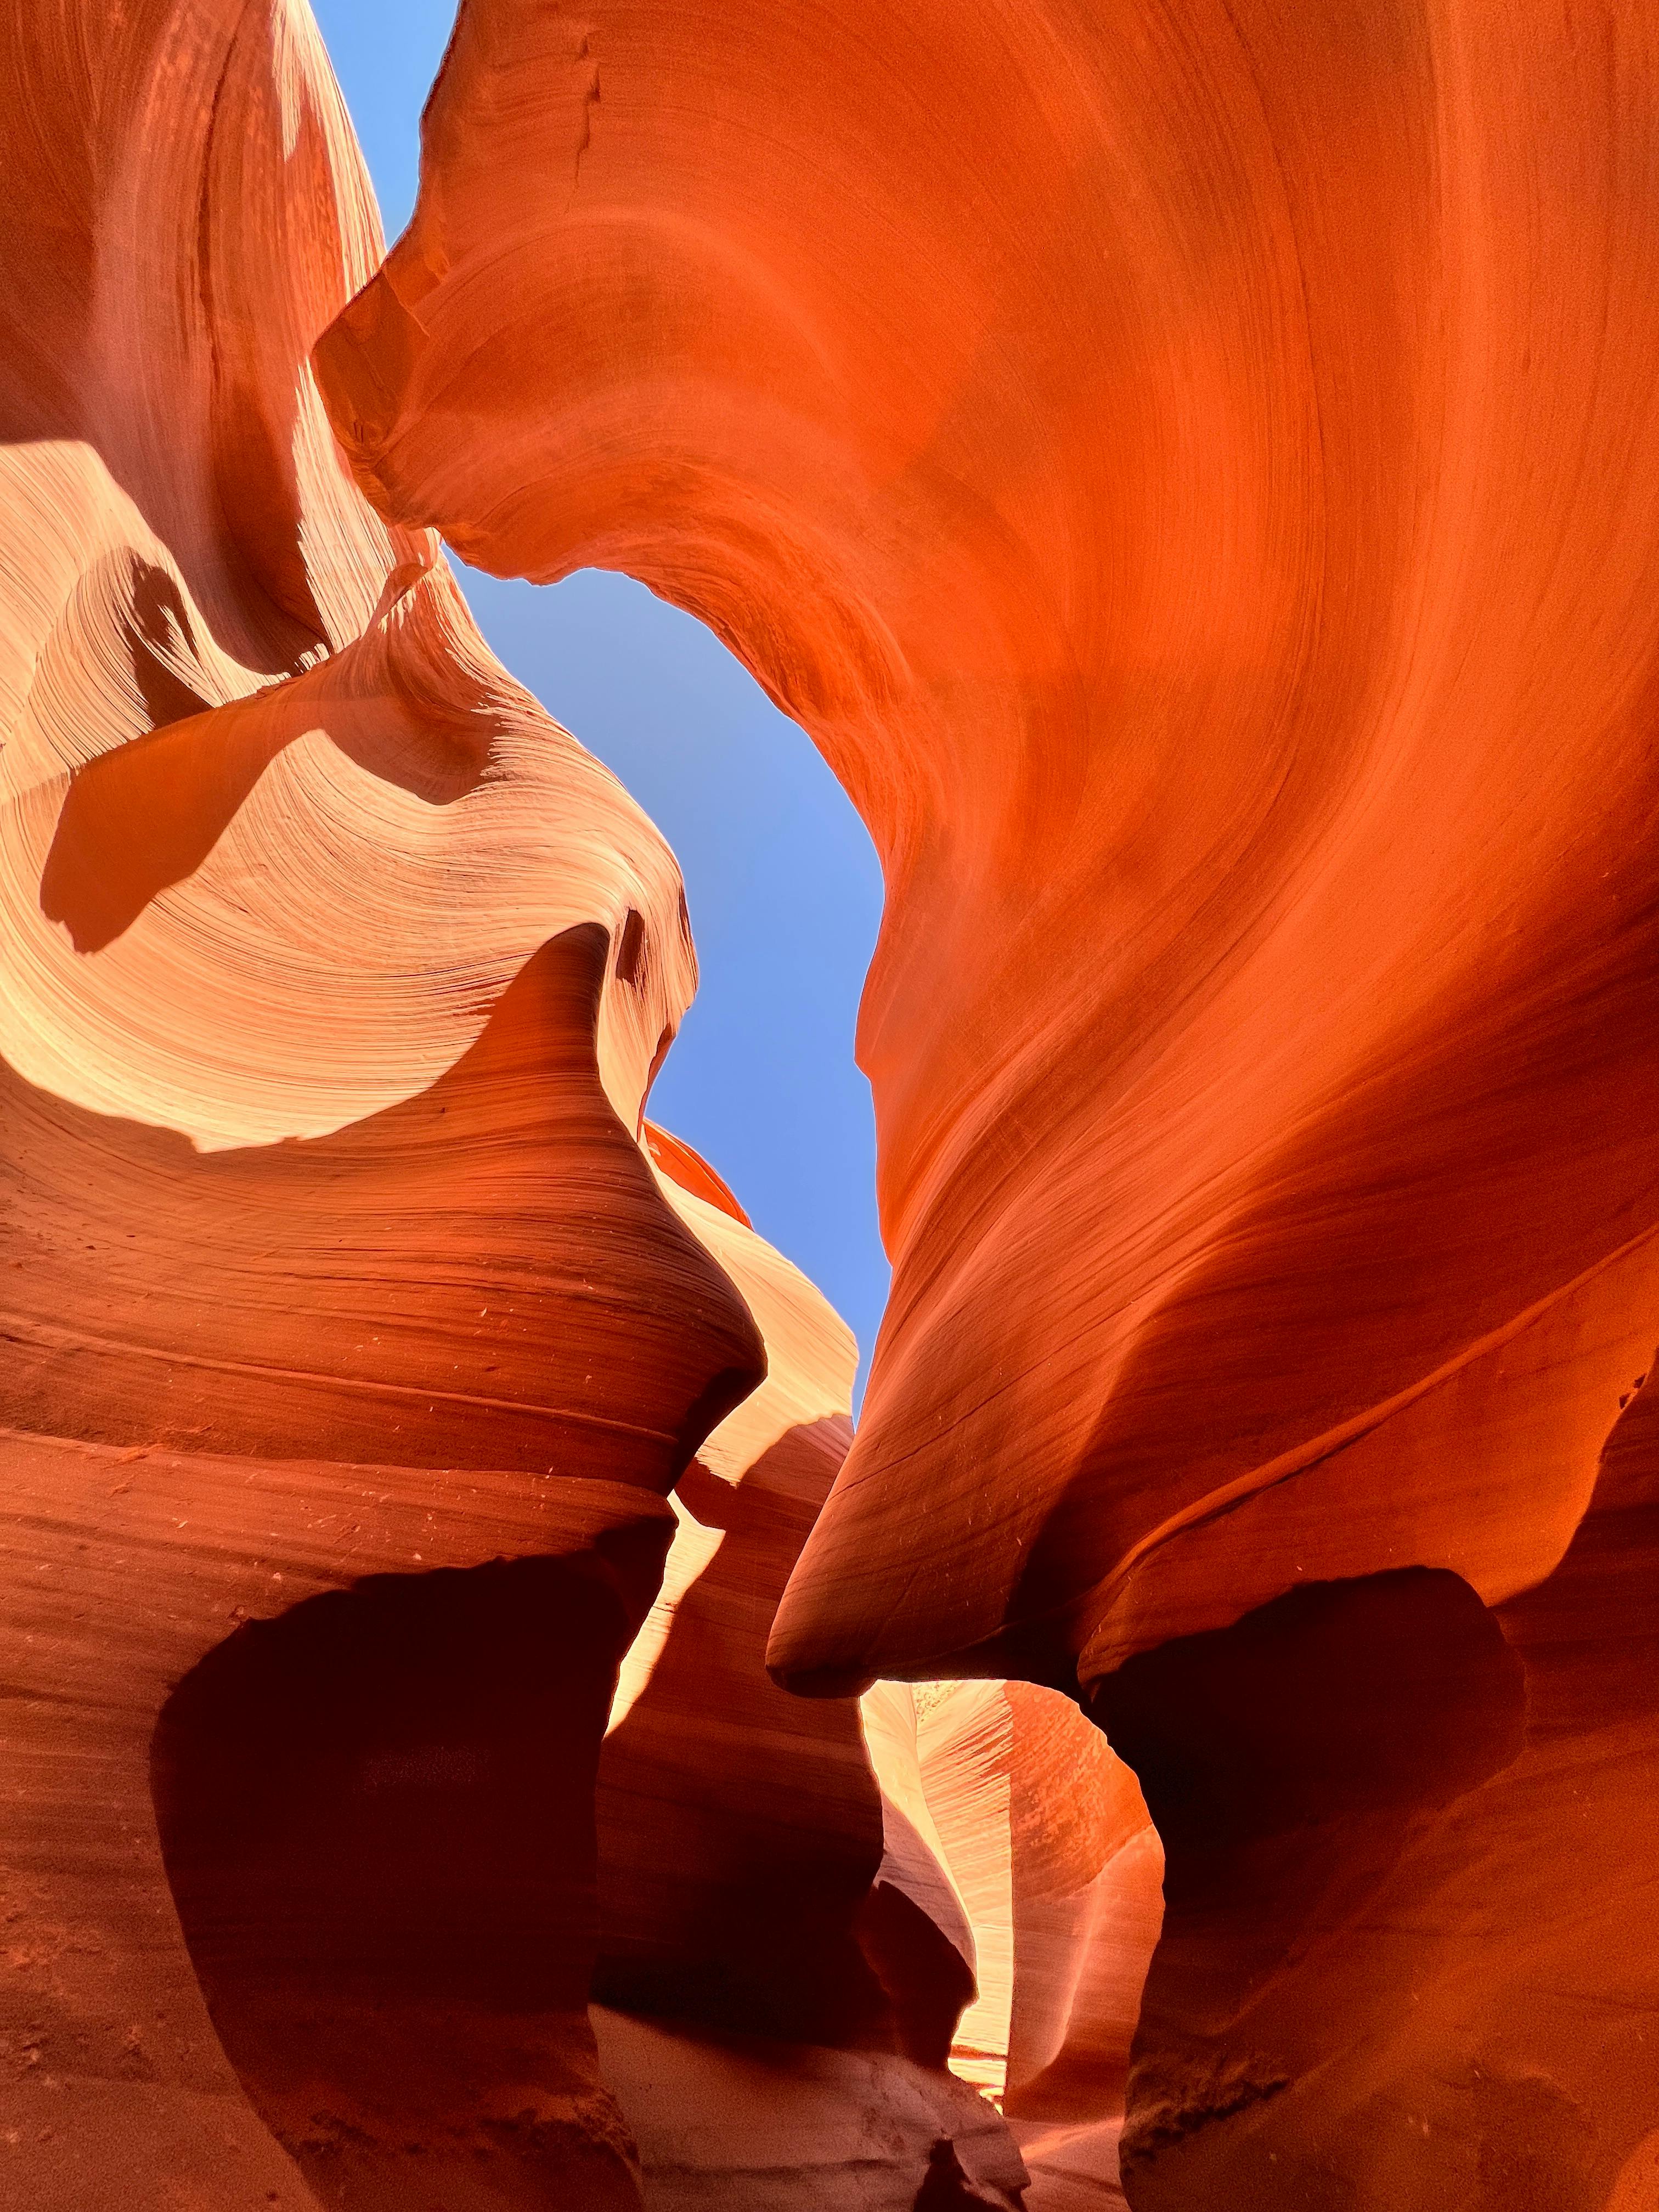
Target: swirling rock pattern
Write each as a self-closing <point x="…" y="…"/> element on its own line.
<point x="1056" y="1873"/>
<point x="357" y="1326"/>
<point x="1449" y="1855"/>
<point x="817" y="1907"/>
<point x="334" y="975"/>
<point x="1193" y="470"/>
<point x="1148" y="513"/>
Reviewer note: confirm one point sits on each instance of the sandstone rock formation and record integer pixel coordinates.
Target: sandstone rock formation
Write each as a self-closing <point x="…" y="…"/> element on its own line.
<point x="1463" y="1876"/>
<point x="358" y="1325"/>
<point x="801" y="1921"/>
<point x="1193" y="472"/>
<point x="1055" y="427"/>
<point x="333" y="976"/>
<point x="1045" y="1840"/>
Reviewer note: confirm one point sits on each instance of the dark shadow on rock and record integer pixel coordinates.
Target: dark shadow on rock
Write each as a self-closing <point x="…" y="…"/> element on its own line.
<point x="1288" y="1762"/>
<point x="740" y="1828"/>
<point x="1408" y="1958"/>
<point x="376" y="1813"/>
<point x="144" y="816"/>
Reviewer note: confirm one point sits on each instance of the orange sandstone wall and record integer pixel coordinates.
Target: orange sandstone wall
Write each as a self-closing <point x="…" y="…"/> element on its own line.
<point x="740" y="1827"/>
<point x="1192" y="474"/>
<point x="775" y="1997"/>
<point x="1192" y="471"/>
<point x="1056" y="1872"/>
<point x="356" y="1325"/>
<point x="332" y="974"/>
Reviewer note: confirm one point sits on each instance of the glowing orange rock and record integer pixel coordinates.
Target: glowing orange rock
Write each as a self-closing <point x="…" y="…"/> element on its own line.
<point x="1056" y="1869"/>
<point x="804" y="1981"/>
<point x="1194" y="473"/>
<point x="1215" y="563"/>
<point x="1194" y="478"/>
<point x="353" y="1341"/>
<point x="332" y="976"/>
<point x="740" y="1827"/>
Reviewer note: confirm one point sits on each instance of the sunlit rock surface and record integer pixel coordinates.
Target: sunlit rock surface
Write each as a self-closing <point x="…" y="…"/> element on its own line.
<point x="840" y="1922"/>
<point x="333" y="973"/>
<point x="1195" y="482"/>
<point x="358" y="1326"/>
<point x="1194" y="473"/>
<point x="1056" y="1872"/>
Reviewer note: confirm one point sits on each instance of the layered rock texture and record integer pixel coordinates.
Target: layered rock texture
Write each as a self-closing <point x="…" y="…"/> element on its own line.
<point x="358" y="1326"/>
<point x="1195" y="471"/>
<point x="333" y="975"/>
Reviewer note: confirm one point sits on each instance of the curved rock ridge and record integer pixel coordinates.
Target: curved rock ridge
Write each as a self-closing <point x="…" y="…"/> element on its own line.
<point x="1389" y="1809"/>
<point x="1193" y="473"/>
<point x="181" y="536"/>
<point x="775" y="2002"/>
<point x="804" y="1932"/>
<point x="354" y="1341"/>
<point x="740" y="1827"/>
<point x="276" y="833"/>
<point x="351" y="1346"/>
<point x="1055" y="1874"/>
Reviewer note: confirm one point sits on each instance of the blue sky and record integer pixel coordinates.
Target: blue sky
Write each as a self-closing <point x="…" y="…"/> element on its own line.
<point x="783" y="886"/>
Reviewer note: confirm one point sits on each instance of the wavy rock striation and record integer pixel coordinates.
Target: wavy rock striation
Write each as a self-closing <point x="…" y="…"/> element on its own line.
<point x="1446" y="1849"/>
<point x="1194" y="473"/>
<point x="1062" y="432"/>
<point x="357" y="1326"/>
<point x="1043" y="1842"/>
<point x="351" y="1346"/>
<point x="807" y="1911"/>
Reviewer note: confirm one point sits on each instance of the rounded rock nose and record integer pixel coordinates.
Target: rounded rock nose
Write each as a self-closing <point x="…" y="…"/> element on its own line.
<point x="805" y="1680"/>
<point x="812" y="1649"/>
<point x="832" y="1636"/>
<point x="918" y="1571"/>
<point x="364" y="363"/>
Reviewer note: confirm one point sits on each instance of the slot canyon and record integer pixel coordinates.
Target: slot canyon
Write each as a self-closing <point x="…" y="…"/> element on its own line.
<point x="484" y="1727"/>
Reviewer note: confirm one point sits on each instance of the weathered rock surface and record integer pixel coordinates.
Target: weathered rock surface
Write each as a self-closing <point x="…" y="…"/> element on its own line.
<point x="740" y="1827"/>
<point x="1446" y="1849"/>
<point x="356" y="1326"/>
<point x="803" y="1921"/>
<point x="1056" y="1871"/>
<point x="1194" y="474"/>
<point x="340" y="1301"/>
<point x="1216" y="564"/>
<point x="788" y="2127"/>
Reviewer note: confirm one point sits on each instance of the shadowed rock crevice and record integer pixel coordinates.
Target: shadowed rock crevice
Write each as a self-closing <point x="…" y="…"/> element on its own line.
<point x="742" y="1827"/>
<point x="377" y="1817"/>
<point x="1411" y="1932"/>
